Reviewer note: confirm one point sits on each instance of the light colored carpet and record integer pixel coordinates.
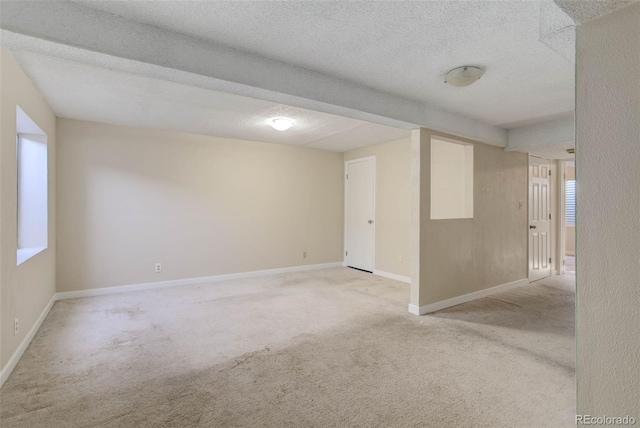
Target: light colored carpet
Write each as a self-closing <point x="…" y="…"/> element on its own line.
<point x="324" y="348"/>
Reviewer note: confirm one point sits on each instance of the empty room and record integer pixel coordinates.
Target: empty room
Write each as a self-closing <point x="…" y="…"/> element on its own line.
<point x="319" y="213"/>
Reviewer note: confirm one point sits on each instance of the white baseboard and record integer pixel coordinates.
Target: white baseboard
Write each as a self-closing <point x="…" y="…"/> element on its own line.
<point x="13" y="361"/>
<point x="433" y="307"/>
<point x="415" y="310"/>
<point x="397" y="277"/>
<point x="189" y="281"/>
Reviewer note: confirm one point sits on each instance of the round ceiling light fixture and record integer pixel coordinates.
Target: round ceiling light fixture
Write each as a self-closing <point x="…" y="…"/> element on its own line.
<point x="281" y="123"/>
<point x="463" y="76"/>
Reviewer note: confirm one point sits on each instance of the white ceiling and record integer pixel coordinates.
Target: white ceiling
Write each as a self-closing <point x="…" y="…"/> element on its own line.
<point x="80" y="91"/>
<point x="351" y="73"/>
<point x="400" y="47"/>
<point x="585" y="10"/>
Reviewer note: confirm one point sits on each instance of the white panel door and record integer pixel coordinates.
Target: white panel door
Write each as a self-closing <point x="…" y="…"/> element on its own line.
<point x="360" y="210"/>
<point x="539" y="219"/>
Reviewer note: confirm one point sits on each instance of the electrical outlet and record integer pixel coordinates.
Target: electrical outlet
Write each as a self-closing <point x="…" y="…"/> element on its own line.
<point x="304" y="254"/>
<point x="158" y="267"/>
<point x="400" y="258"/>
<point x="15" y="326"/>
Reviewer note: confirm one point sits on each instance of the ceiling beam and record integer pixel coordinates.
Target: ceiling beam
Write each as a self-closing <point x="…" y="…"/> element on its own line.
<point x="551" y="133"/>
<point x="82" y="34"/>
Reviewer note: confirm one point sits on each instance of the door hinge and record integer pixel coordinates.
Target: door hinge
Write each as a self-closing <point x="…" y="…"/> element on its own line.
<point x="549" y="260"/>
<point x="549" y="216"/>
<point x="346" y="253"/>
<point x="549" y="173"/>
<point x="347" y="176"/>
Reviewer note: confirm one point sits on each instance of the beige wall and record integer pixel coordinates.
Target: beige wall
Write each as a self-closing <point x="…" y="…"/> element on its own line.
<point x="393" y="204"/>
<point x="608" y="224"/>
<point x="570" y="240"/>
<point x="25" y="290"/>
<point x="569" y="172"/>
<point x="201" y="206"/>
<point x="462" y="256"/>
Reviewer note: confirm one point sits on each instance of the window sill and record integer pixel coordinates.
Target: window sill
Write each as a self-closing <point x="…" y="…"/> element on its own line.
<point x="25" y="254"/>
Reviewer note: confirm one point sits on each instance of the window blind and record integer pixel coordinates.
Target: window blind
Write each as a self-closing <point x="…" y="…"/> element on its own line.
<point x="570" y="202"/>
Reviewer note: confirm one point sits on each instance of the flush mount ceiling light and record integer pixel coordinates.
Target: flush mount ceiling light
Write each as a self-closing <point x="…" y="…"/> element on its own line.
<point x="281" y="123"/>
<point x="463" y="76"/>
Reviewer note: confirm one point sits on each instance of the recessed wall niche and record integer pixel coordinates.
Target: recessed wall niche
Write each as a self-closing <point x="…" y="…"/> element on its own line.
<point x="451" y="179"/>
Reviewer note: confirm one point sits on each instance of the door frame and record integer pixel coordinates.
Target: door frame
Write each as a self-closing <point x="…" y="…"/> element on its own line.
<point x="346" y="207"/>
<point x="551" y="234"/>
<point x="562" y="218"/>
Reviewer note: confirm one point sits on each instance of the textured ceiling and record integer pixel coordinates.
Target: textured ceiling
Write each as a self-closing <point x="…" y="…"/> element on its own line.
<point x="403" y="48"/>
<point x="85" y="92"/>
<point x="585" y="10"/>
<point x="558" y="31"/>
<point x="220" y="68"/>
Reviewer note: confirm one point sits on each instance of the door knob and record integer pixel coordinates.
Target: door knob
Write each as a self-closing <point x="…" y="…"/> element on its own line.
<point x="532" y="227"/>
<point x="370" y="221"/>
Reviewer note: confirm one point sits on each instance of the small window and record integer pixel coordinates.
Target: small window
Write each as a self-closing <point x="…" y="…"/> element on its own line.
<point x="451" y="179"/>
<point x="570" y="199"/>
<point x="32" y="195"/>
